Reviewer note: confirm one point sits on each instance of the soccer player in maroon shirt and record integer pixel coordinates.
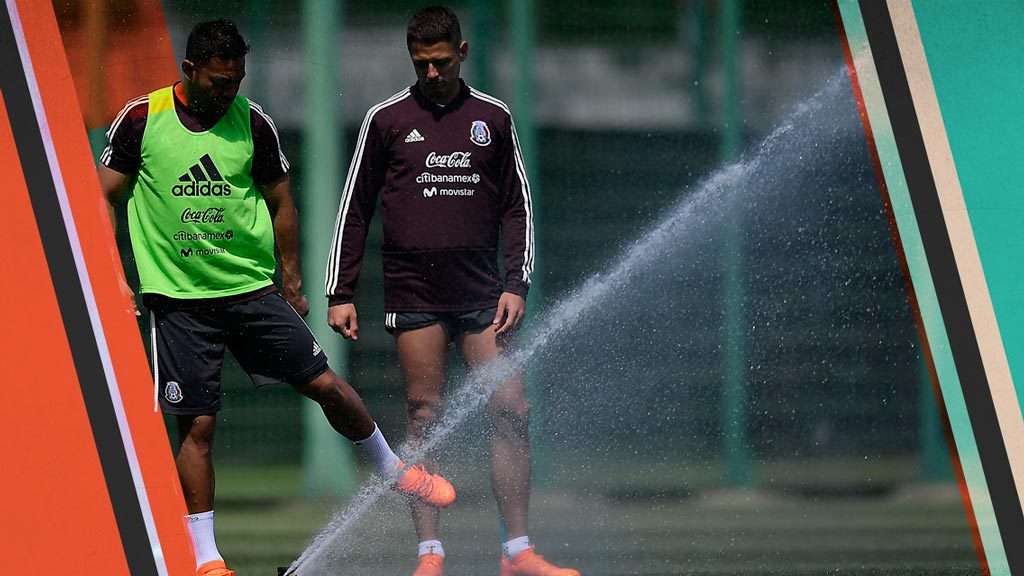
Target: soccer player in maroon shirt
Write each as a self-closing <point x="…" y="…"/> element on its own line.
<point x="444" y="160"/>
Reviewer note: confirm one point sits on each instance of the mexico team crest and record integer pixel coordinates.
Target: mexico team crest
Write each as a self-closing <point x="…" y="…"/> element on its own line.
<point x="479" y="133"/>
<point x="173" y="392"/>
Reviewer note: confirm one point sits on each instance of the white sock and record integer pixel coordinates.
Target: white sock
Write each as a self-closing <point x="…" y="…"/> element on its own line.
<point x="514" y="546"/>
<point x="431" y="547"/>
<point x="200" y="529"/>
<point x="376" y="448"/>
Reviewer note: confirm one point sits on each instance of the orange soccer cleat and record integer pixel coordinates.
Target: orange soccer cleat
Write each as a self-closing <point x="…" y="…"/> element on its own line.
<point x="433" y="489"/>
<point x="529" y="563"/>
<point x="430" y="565"/>
<point x="214" y="568"/>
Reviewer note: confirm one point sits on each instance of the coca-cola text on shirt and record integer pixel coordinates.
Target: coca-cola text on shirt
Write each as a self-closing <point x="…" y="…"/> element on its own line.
<point x="453" y="160"/>
<point x="212" y="215"/>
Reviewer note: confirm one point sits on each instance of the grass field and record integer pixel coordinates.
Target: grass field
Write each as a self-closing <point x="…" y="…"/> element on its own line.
<point x="911" y="530"/>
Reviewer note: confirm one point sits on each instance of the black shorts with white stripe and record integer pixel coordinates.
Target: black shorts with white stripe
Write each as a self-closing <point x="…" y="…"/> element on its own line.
<point x="455" y="323"/>
<point x="268" y="338"/>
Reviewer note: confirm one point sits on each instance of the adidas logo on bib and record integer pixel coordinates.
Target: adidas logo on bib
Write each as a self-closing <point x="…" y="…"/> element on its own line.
<point x="202" y="179"/>
<point x="414" y="136"/>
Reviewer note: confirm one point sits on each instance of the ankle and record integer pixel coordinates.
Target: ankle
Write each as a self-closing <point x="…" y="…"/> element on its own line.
<point x="431" y="547"/>
<point x="204" y="545"/>
<point x="515" y="546"/>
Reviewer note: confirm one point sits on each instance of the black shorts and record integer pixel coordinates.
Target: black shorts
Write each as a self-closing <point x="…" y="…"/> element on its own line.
<point x="270" y="340"/>
<point x="456" y="322"/>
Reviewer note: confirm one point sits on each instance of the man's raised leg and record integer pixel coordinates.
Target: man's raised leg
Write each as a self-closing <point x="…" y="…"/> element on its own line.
<point x="347" y="414"/>
<point x="341" y="404"/>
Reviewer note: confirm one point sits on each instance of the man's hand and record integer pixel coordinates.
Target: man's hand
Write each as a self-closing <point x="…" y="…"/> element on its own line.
<point x="291" y="289"/>
<point x="511" y="312"/>
<point x="342" y="318"/>
<point x="127" y="291"/>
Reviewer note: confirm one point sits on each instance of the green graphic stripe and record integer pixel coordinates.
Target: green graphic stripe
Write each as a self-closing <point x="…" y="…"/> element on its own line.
<point x="975" y="55"/>
<point x="928" y="306"/>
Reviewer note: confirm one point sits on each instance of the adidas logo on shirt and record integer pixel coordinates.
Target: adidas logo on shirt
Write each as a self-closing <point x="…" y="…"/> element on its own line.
<point x="202" y="179"/>
<point x="316" y="348"/>
<point x="414" y="136"/>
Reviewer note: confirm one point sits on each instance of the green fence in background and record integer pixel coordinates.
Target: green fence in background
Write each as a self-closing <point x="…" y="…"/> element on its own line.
<point x="601" y="190"/>
<point x="868" y="398"/>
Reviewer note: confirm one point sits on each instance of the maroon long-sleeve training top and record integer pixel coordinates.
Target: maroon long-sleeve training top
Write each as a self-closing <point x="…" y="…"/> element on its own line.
<point x="452" y="183"/>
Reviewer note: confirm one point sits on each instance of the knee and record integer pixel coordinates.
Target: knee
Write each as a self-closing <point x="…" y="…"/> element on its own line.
<point x="326" y="389"/>
<point x="511" y="414"/>
<point x="421" y="412"/>
<point x="198" y="433"/>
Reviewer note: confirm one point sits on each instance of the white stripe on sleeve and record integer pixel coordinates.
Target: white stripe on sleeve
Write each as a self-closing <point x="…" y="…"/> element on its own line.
<point x="273" y="127"/>
<point x="332" y="276"/>
<point x="108" y="151"/>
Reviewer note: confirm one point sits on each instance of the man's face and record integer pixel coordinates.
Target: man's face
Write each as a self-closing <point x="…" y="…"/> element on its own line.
<point x="212" y="86"/>
<point x="437" y="69"/>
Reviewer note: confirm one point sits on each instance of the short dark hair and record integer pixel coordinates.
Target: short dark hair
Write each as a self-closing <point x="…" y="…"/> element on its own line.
<point x="434" y="24"/>
<point x="215" y="39"/>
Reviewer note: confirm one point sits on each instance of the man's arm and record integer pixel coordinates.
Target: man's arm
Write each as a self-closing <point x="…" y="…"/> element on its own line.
<point x="120" y="162"/>
<point x="114" y="184"/>
<point x="270" y="174"/>
<point x="286" y="233"/>
<point x="516" y="234"/>
<point x="122" y="156"/>
<point x="358" y="202"/>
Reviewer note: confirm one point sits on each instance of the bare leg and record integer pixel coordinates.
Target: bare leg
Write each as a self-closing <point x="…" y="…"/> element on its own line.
<point x="341" y="404"/>
<point x="422" y="355"/>
<point x="195" y="467"/>
<point x="510" y="445"/>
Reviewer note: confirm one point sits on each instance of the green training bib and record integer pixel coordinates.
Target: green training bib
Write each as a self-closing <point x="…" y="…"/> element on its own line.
<point x="199" y="226"/>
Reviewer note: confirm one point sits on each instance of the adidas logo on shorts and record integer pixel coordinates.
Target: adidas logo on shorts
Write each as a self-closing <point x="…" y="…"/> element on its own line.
<point x="316" y="348"/>
<point x="414" y="136"/>
<point x="202" y="179"/>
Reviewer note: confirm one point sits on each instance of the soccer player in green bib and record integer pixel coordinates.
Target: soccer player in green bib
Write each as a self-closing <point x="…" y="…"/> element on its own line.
<point x="208" y="199"/>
